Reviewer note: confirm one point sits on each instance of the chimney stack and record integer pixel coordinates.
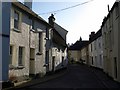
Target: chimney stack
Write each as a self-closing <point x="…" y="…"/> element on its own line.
<point x="28" y="3"/>
<point x="91" y="35"/>
<point x="51" y="20"/>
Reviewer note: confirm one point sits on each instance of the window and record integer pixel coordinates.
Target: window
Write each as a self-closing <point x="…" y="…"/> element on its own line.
<point x="110" y="39"/>
<point x="92" y="60"/>
<point x="95" y="45"/>
<point x="16" y="20"/>
<point x="32" y="54"/>
<point x="20" y="56"/>
<point x="99" y="45"/>
<point x="11" y="53"/>
<point x="91" y="47"/>
<point x="117" y="11"/>
<point x="33" y="26"/>
<point x="40" y="42"/>
<point x="100" y="59"/>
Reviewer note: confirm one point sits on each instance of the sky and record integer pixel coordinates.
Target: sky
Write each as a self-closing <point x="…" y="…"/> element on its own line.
<point x="79" y="21"/>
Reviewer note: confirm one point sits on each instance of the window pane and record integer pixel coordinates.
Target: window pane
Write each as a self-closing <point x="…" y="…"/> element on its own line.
<point x="16" y="16"/>
<point x="20" y="56"/>
<point x="16" y="20"/>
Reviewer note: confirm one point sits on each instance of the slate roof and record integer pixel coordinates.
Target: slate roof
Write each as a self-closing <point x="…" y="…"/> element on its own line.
<point x="29" y="11"/>
<point x="78" y="45"/>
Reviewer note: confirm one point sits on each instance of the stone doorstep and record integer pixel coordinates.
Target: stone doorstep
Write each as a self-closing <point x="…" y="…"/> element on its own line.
<point x="19" y="83"/>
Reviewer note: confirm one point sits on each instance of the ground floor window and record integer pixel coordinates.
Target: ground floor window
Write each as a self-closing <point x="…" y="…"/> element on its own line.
<point x="11" y="54"/>
<point x="100" y="59"/>
<point x="20" y="56"/>
<point x="92" y="61"/>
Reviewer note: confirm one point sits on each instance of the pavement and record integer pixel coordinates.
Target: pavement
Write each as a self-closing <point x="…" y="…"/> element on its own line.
<point x="39" y="80"/>
<point x="103" y="78"/>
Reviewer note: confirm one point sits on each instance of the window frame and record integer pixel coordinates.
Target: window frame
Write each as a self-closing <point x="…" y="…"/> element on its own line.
<point x="21" y="57"/>
<point x="18" y="29"/>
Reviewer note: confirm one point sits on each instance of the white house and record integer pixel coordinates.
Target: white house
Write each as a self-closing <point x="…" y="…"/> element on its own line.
<point x="56" y="46"/>
<point x="111" y="42"/>
<point x="27" y="42"/>
<point x="96" y="49"/>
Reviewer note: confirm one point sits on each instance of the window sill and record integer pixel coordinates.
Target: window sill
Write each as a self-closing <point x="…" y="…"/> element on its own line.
<point x="17" y="30"/>
<point x="20" y="67"/>
<point x="45" y="65"/>
<point x="32" y="30"/>
<point x="11" y="67"/>
<point x="39" y="53"/>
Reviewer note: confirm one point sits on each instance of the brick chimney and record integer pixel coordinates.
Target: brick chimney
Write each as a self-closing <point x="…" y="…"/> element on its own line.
<point x="51" y="20"/>
<point x="28" y="3"/>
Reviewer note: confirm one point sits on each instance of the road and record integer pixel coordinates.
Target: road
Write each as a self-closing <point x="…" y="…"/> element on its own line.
<point x="78" y="76"/>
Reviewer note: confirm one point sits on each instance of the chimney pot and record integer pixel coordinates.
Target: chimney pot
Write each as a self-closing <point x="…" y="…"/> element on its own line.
<point x="51" y="20"/>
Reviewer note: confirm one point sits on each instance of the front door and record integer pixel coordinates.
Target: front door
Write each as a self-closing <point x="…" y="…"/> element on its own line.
<point x="53" y="63"/>
<point x="32" y="61"/>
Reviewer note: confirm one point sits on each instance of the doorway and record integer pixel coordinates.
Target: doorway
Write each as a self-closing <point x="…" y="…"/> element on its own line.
<point x="32" y="61"/>
<point x="53" y="63"/>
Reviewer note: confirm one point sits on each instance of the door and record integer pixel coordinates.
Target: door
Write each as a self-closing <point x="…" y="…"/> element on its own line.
<point x="32" y="61"/>
<point x="53" y="63"/>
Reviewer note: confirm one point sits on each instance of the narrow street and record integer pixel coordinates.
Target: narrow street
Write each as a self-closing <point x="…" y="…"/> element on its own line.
<point x="77" y="76"/>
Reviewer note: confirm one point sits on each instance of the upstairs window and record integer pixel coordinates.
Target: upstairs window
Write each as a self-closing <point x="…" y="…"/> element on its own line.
<point x="33" y="24"/>
<point x="16" y="20"/>
<point x="91" y="47"/>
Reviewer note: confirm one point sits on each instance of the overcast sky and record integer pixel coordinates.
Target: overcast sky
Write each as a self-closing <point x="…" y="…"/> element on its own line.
<point x="78" y="21"/>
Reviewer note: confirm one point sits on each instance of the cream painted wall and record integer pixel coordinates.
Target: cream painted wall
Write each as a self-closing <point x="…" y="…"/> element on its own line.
<point x="27" y="39"/>
<point x="111" y="47"/>
<point x="75" y="55"/>
<point x="96" y="52"/>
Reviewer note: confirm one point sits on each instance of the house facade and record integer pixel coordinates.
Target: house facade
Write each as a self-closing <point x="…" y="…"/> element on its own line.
<point x="27" y="43"/>
<point x="56" y="46"/>
<point x="111" y="42"/>
<point x="96" y="49"/>
<point x="79" y="51"/>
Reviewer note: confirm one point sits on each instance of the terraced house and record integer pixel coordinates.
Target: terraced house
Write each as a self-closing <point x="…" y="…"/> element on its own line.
<point x="96" y="49"/>
<point x="27" y="42"/>
<point x="57" y="47"/>
<point x="34" y="47"/>
<point x="111" y="42"/>
<point x="79" y="51"/>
